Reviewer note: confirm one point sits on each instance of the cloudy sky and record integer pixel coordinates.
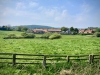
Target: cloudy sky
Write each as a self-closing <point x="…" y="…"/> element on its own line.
<point x="56" y="13"/>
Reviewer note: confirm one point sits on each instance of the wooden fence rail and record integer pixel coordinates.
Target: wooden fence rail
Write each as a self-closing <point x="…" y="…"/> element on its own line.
<point x="45" y="59"/>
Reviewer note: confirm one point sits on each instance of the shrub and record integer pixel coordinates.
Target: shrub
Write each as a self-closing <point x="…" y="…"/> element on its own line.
<point x="85" y="33"/>
<point x="28" y="35"/>
<point x="46" y="35"/>
<point x="10" y="36"/>
<point x="97" y="34"/>
<point x="98" y="30"/>
<point x="55" y="36"/>
<point x="24" y="34"/>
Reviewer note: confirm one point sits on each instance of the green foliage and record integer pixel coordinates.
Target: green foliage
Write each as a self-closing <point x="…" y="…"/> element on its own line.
<point x="24" y="34"/>
<point x="98" y="30"/>
<point x="21" y="28"/>
<point x="18" y="28"/>
<point x="24" y="29"/>
<point x="74" y="30"/>
<point x="55" y="36"/>
<point x="46" y="35"/>
<point x="64" y="28"/>
<point x="29" y="31"/>
<point x="67" y="44"/>
<point x="28" y="35"/>
<point x="71" y="29"/>
<point x="86" y="33"/>
<point x="70" y="45"/>
<point x="97" y="34"/>
<point x="77" y="68"/>
<point x="6" y="28"/>
<point x="10" y="36"/>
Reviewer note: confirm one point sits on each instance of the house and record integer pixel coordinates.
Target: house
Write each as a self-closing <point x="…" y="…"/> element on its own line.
<point x="54" y="30"/>
<point x="81" y="30"/>
<point x="40" y="31"/>
<point x="85" y="31"/>
<point x="88" y="31"/>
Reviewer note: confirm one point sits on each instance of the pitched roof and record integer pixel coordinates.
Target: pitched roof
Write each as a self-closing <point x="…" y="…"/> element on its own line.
<point x="55" y="30"/>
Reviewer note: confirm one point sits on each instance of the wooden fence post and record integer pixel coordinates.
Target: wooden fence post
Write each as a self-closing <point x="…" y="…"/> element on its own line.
<point x="68" y="58"/>
<point x="91" y="59"/>
<point x="44" y="61"/>
<point x="14" y="60"/>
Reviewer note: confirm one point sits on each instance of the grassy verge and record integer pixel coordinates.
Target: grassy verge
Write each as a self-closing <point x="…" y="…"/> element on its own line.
<point x="75" y="68"/>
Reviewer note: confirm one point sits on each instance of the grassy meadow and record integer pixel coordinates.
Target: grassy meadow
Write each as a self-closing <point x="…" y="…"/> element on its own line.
<point x="68" y="44"/>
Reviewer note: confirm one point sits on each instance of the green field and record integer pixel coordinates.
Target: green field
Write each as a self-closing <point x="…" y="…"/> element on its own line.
<point x="68" y="44"/>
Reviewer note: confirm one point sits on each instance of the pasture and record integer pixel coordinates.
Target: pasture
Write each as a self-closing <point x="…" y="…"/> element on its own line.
<point x="68" y="44"/>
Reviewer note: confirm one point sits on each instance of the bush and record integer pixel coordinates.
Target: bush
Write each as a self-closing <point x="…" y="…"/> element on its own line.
<point x="10" y="36"/>
<point x="98" y="30"/>
<point x="55" y="36"/>
<point x="24" y="34"/>
<point x="97" y="34"/>
<point x="85" y="33"/>
<point x="28" y="35"/>
<point x="46" y="35"/>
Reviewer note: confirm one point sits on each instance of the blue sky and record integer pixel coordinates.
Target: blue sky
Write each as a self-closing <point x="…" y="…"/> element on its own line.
<point x="56" y="13"/>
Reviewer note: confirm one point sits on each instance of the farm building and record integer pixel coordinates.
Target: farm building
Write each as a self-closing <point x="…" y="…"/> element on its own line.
<point x="85" y="31"/>
<point x="54" y="30"/>
<point x="40" y="31"/>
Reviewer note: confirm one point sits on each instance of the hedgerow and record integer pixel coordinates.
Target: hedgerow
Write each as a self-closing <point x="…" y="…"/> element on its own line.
<point x="55" y="36"/>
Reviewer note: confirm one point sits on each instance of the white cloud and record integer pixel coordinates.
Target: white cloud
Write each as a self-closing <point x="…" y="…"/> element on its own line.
<point x="24" y="5"/>
<point x="64" y="13"/>
<point x="84" y="15"/>
<point x="33" y="4"/>
<point x="69" y="3"/>
<point x="50" y="12"/>
<point x="40" y="8"/>
<point x="86" y="8"/>
<point x="33" y="13"/>
<point x="62" y="16"/>
<point x="20" y="5"/>
<point x="7" y="12"/>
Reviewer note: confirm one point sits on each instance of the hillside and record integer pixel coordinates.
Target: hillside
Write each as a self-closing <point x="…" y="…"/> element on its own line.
<point x="35" y="26"/>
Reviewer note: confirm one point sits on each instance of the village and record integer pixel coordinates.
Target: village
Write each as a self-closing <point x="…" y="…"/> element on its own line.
<point x="59" y="30"/>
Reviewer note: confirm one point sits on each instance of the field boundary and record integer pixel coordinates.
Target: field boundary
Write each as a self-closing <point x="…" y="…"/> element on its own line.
<point x="44" y="58"/>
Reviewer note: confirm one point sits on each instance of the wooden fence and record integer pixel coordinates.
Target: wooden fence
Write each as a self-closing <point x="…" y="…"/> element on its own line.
<point x="14" y="58"/>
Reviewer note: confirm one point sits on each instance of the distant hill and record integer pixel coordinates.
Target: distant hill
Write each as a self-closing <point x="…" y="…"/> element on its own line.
<point x="35" y="26"/>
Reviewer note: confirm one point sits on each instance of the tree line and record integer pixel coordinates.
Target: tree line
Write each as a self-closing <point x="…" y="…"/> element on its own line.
<point x="9" y="28"/>
<point x="71" y="29"/>
<point x="6" y="28"/>
<point x="65" y="30"/>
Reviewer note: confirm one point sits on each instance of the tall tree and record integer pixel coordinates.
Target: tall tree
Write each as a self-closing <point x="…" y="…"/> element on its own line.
<point x="76" y="30"/>
<point x="64" y="29"/>
<point x="72" y="29"/>
<point x="98" y="30"/>
<point x="21" y="28"/>
<point x="24" y="29"/>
